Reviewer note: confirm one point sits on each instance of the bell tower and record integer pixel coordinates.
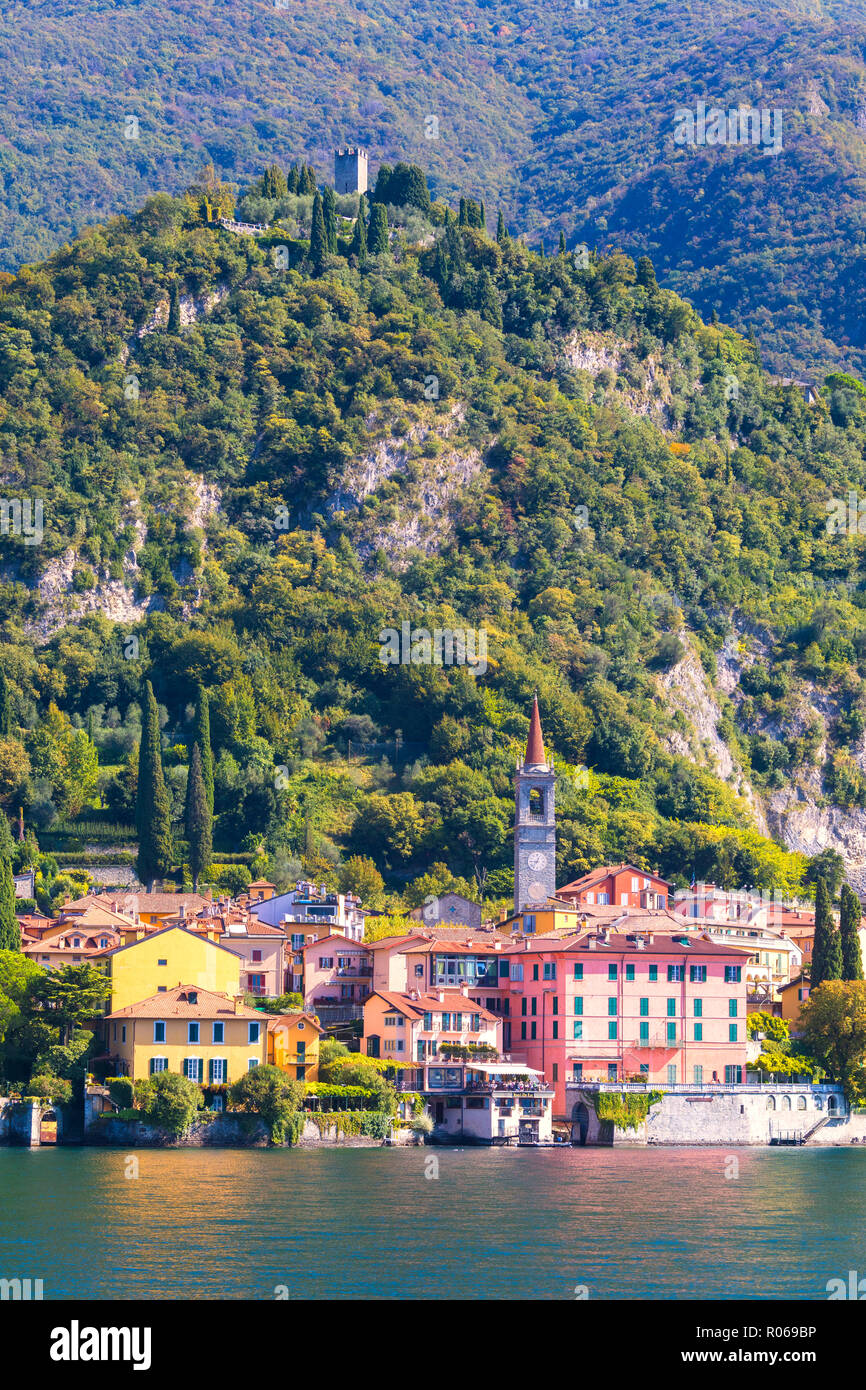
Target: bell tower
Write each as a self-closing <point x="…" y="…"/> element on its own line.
<point x="534" y="822"/>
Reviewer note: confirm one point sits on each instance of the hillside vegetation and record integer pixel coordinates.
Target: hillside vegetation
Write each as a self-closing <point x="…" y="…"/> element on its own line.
<point x="253" y="461"/>
<point x="563" y="116"/>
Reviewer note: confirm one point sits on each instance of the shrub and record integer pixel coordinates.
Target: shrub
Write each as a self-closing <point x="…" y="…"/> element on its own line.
<point x="121" y="1091"/>
<point x="47" y="1087"/>
<point x="268" y="1092"/>
<point x="168" y="1101"/>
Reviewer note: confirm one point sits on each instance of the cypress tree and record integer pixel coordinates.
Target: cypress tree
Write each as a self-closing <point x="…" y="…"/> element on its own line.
<point x="199" y="821"/>
<point x="849" y="923"/>
<point x="359" y="235"/>
<point x="463" y="217"/>
<point x="152" y="814"/>
<point x="174" y="309"/>
<point x="274" y="182"/>
<point x="201" y="736"/>
<point x="318" y="236"/>
<point x="826" y="946"/>
<point x="5" y="707"/>
<point x="10" y="931"/>
<point x="308" y="180"/>
<point x="7" y="844"/>
<point x="383" y="180"/>
<point x="292" y="182"/>
<point x="488" y="303"/>
<point x="501" y="233"/>
<point x="482" y="216"/>
<point x="562" y="243"/>
<point x="541" y="251"/>
<point x="329" y="212"/>
<point x="377" y="232"/>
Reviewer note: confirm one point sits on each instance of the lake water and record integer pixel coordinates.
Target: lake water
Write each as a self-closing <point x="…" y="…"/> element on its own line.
<point x="369" y="1223"/>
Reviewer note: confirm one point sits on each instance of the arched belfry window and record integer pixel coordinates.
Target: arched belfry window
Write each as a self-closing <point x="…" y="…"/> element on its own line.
<point x="536" y="803"/>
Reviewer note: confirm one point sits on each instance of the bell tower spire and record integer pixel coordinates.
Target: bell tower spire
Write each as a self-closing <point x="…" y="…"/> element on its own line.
<point x="534" y="822"/>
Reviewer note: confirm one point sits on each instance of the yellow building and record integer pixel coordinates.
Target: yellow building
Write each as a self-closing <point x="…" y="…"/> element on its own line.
<point x="293" y="1045"/>
<point x="793" y="996"/>
<point x="167" y="958"/>
<point x="204" y="1036"/>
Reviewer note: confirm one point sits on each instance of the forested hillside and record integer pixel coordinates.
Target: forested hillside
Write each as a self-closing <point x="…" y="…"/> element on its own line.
<point x="563" y="115"/>
<point x="254" y="455"/>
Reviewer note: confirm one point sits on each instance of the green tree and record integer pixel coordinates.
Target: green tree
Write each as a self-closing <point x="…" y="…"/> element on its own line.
<point x="152" y="812"/>
<point x="169" y="1101"/>
<point x="359" y="875"/>
<point x="69" y="996"/>
<point x="201" y="736"/>
<point x="834" y="1030"/>
<point x="318" y="236"/>
<point x="5" y="707"/>
<point x="199" y="822"/>
<point x="828" y="865"/>
<point x="501" y="233"/>
<point x="329" y="213"/>
<point x="377" y="233"/>
<point x="274" y="183"/>
<point x="359" y="234"/>
<point x="268" y="1092"/>
<point x="849" y="925"/>
<point x="173" y="324"/>
<point x="826" y="947"/>
<point x="7" y="844"/>
<point x="10" y="931"/>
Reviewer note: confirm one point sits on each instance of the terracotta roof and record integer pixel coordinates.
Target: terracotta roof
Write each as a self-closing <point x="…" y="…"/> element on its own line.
<point x="260" y="883"/>
<point x="161" y="932"/>
<point x="151" y="902"/>
<point x="276" y="1019"/>
<point x="664" y="944"/>
<point x="535" y="741"/>
<point x="605" y="871"/>
<point x="452" y="1001"/>
<point x="174" y="1003"/>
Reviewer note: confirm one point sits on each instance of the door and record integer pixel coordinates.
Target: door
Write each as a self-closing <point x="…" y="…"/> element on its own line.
<point x="373" y="1045"/>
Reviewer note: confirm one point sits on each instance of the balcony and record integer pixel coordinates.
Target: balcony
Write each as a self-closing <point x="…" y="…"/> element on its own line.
<point x="354" y="972"/>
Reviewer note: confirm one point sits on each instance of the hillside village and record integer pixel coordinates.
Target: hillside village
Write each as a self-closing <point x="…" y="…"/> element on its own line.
<point x="585" y="1014"/>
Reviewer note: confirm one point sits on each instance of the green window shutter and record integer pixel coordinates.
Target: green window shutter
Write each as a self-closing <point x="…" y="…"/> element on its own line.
<point x="644" y="1032"/>
<point x="644" y="1008"/>
<point x="699" y="1032"/>
<point x="611" y="1030"/>
<point x="732" y="1008"/>
<point x="699" y="1008"/>
<point x="578" y="1004"/>
<point x="672" y="1008"/>
<point x="611" y="1005"/>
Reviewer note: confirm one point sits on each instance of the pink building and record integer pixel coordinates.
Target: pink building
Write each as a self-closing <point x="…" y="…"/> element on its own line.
<point x="416" y="1027"/>
<point x="338" y="973"/>
<point x="603" y="1006"/>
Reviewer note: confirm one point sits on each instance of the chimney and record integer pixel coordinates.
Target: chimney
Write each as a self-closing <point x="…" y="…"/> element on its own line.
<point x="440" y="995"/>
<point x="238" y="1003"/>
<point x="640" y="944"/>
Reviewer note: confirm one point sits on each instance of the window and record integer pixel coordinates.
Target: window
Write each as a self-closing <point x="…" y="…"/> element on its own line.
<point x="555" y="1004"/>
<point x="611" y="972"/>
<point x="192" y="1032"/>
<point x="644" y="1008"/>
<point x="611" y="1031"/>
<point x="163" y="989"/>
<point x="446" y="1023"/>
<point x="550" y="970"/>
<point x="535" y="972"/>
<point x="529" y="925"/>
<point x="533" y="1006"/>
<point x="192" y="997"/>
<point x="158" y="1064"/>
<point x="162" y="962"/>
<point x="516" y="970"/>
<point x="536" y="803"/>
<point x="734" y="1075"/>
<point x="255" y="1030"/>
<point x="123" y="1033"/>
<point x="159" y="1031"/>
<point x="698" y="1008"/>
<point x="193" y="1068"/>
<point x="644" y="1068"/>
<point x="733" y="974"/>
<point x="732" y="1008"/>
<point x="326" y="962"/>
<point x="578" y="970"/>
<point x="629" y="972"/>
<point x="523" y="1032"/>
<point x="635" y="885"/>
<point x="732" y="1032"/>
<point x="672" y="1074"/>
<point x="578" y="1004"/>
<point x="653" y="974"/>
<point x="644" y="1032"/>
<point x="297" y="941"/>
<point x="611" y="1005"/>
<point x="672" y="1008"/>
<point x="524" y="1006"/>
<point x="555" y="1029"/>
<point x="675" y="973"/>
<point x="219" y="1071"/>
<point x="698" y="1075"/>
<point x="578" y="1028"/>
<point x="476" y="1023"/>
<point x="427" y="1023"/>
<point x="611" y="1071"/>
<point x="532" y="1027"/>
<point x="301" y="1073"/>
<point x="219" y="1032"/>
<point x="671" y="1032"/>
<point x="623" y="898"/>
<point x="257" y="955"/>
<point x="458" y="1023"/>
<point x="253" y="1062"/>
<point x="555" y="1071"/>
<point x="699" y="1032"/>
<point x="577" y="1071"/>
<point x="698" y="974"/>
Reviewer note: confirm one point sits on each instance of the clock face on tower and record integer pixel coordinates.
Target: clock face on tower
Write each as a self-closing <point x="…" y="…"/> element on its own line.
<point x="537" y="893"/>
<point x="537" y="861"/>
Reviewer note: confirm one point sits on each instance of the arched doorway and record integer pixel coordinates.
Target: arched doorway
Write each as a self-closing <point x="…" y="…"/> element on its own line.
<point x="579" y="1123"/>
<point x="48" y="1127"/>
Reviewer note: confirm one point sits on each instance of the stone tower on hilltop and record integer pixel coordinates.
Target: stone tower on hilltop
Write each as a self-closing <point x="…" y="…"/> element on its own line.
<point x="350" y="170"/>
<point x="534" y="823"/>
